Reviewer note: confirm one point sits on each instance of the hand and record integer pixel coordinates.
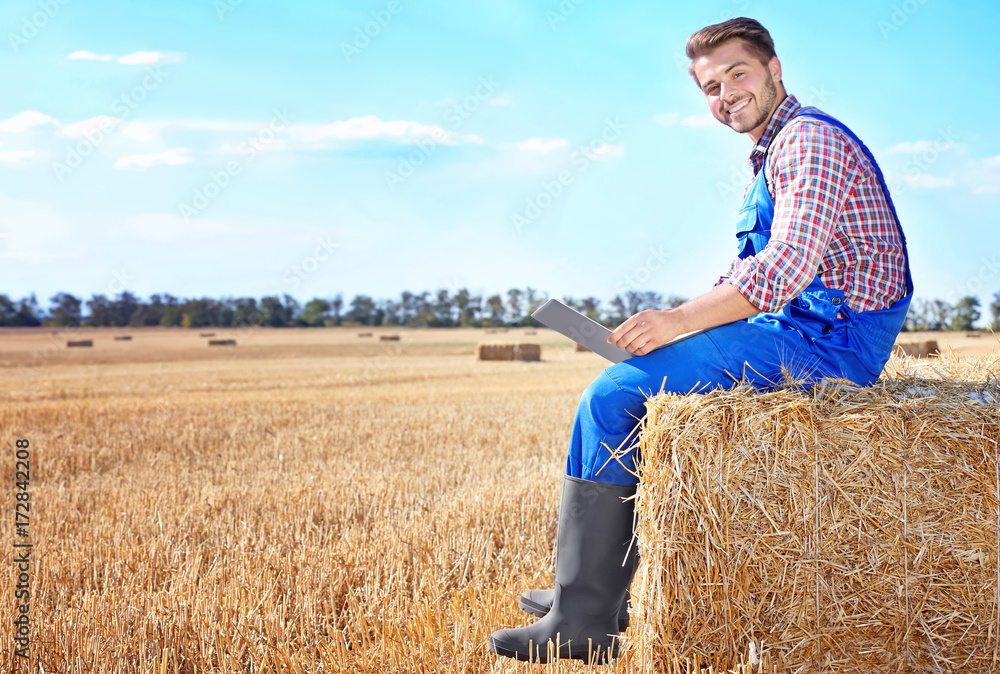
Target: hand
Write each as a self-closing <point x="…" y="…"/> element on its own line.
<point x="645" y="331"/>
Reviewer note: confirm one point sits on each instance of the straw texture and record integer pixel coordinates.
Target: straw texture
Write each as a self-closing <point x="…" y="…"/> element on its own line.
<point x="828" y="528"/>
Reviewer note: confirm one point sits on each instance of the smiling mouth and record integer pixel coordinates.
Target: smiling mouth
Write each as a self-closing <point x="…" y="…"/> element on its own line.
<point x="739" y="106"/>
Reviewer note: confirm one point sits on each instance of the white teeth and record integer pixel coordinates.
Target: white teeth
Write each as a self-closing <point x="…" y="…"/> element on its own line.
<point x="740" y="106"/>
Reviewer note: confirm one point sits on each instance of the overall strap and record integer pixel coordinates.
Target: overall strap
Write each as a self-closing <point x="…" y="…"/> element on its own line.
<point x="881" y="180"/>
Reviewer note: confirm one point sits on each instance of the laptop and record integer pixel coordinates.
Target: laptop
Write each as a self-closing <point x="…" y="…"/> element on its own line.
<point x="584" y="330"/>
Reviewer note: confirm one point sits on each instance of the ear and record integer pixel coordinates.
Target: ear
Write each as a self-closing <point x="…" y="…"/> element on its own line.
<point x="774" y="65"/>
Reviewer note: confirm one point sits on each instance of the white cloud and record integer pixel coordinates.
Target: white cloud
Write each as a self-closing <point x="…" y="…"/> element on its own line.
<point x="542" y="145"/>
<point x="140" y="131"/>
<point x="983" y="175"/>
<point x="691" y="121"/>
<point x="145" y="58"/>
<point x="607" y="151"/>
<point x="921" y="146"/>
<point x="925" y="181"/>
<point x="173" y="156"/>
<point x="503" y="99"/>
<point x="167" y="227"/>
<point x="24" y="120"/>
<point x="99" y="123"/>
<point x="15" y="156"/>
<point x="84" y="55"/>
<point x="371" y="127"/>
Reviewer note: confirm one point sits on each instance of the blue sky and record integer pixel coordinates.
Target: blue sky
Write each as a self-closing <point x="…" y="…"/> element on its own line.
<point x="246" y="148"/>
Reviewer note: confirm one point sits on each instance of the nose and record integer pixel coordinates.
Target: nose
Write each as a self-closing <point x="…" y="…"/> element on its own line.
<point x="728" y="94"/>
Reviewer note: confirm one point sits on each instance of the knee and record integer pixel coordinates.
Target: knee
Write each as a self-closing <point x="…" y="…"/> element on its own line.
<point x="600" y="391"/>
<point x="603" y="396"/>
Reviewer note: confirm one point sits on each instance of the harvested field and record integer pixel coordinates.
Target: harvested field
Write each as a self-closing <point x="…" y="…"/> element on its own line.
<point x="306" y="502"/>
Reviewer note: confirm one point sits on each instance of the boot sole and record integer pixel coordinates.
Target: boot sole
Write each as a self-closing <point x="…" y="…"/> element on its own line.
<point x="531" y="607"/>
<point x="609" y="654"/>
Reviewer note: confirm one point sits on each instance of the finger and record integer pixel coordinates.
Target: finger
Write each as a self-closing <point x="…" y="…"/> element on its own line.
<point x="634" y="337"/>
<point x="617" y="333"/>
<point x="640" y="349"/>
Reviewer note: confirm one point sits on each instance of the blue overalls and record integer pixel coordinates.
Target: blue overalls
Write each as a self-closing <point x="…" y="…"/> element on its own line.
<point x="815" y="335"/>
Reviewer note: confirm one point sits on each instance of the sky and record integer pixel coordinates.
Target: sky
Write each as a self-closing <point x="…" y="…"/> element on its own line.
<point x="247" y="148"/>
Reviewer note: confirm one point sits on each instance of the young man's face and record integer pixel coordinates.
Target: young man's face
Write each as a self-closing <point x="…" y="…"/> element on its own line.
<point x="740" y="90"/>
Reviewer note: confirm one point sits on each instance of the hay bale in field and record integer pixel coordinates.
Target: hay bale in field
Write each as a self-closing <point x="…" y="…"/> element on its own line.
<point x="838" y="529"/>
<point x="79" y="342"/>
<point x="919" y="349"/>
<point x="531" y="352"/>
<point x="581" y="347"/>
<point x="206" y="334"/>
<point x="495" y="352"/>
<point x="123" y="338"/>
<point x="222" y="342"/>
<point x="364" y="334"/>
<point x="527" y="352"/>
<point x="494" y="331"/>
<point x="974" y="335"/>
<point x="388" y="338"/>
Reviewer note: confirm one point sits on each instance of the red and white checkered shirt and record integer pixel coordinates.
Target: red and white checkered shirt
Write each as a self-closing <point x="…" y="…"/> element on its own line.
<point x="830" y="217"/>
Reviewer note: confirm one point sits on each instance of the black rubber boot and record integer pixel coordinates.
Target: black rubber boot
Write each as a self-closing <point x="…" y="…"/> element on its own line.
<point x="595" y="534"/>
<point x="538" y="602"/>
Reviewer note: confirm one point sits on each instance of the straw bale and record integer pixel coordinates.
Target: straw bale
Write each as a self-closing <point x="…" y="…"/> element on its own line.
<point x="919" y="349"/>
<point x="509" y="352"/>
<point x="206" y="334"/>
<point x="832" y="527"/>
<point x="222" y="342"/>
<point x="123" y="338"/>
<point x="495" y="352"/>
<point x="80" y="342"/>
<point x="388" y="338"/>
<point x="581" y="347"/>
<point x="527" y="352"/>
<point x="364" y="334"/>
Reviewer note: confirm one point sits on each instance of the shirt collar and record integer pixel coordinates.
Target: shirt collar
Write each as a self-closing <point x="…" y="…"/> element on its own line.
<point x="784" y="112"/>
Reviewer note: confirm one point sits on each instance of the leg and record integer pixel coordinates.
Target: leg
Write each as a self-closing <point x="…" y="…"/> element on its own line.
<point x="607" y="418"/>
<point x="606" y="421"/>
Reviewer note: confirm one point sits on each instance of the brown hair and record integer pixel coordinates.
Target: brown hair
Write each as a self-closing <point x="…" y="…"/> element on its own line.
<point x="749" y="31"/>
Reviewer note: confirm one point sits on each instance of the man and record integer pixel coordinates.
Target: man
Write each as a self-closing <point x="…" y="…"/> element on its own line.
<point x="820" y="288"/>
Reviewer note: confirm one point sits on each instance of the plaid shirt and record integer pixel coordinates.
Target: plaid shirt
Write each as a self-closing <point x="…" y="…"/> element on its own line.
<point x="830" y="217"/>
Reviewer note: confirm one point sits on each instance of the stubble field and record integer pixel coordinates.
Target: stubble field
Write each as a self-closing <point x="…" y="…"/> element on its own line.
<point x="308" y="501"/>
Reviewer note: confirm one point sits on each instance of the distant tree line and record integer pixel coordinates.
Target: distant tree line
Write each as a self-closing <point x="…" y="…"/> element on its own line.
<point x="442" y="308"/>
<point x="940" y="315"/>
<point x="425" y="309"/>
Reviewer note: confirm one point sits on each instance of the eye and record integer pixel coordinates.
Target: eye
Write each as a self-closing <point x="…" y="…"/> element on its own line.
<point x="738" y="75"/>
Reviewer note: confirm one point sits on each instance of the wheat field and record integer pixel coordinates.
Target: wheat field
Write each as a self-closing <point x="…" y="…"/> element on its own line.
<point x="308" y="501"/>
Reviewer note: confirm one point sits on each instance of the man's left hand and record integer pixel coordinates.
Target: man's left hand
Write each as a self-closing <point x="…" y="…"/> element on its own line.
<point x="645" y="331"/>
